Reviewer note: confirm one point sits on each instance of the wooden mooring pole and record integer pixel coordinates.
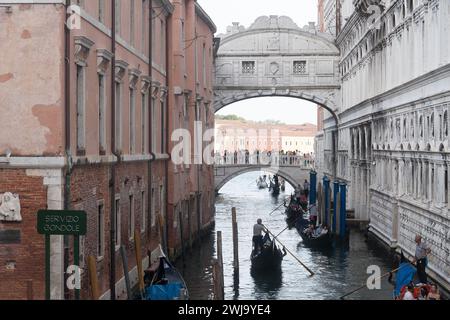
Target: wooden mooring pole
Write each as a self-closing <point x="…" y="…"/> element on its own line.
<point x="220" y="260"/>
<point x="92" y="267"/>
<point x="217" y="286"/>
<point x="235" y="252"/>
<point x="235" y="242"/>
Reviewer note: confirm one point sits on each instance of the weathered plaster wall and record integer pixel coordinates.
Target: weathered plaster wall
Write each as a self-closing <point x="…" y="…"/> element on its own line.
<point x="31" y="80"/>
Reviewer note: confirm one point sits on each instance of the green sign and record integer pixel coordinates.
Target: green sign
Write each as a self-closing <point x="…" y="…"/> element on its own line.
<point x="61" y="222"/>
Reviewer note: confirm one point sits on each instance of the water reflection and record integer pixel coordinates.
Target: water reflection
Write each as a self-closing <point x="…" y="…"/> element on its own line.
<point x="267" y="284"/>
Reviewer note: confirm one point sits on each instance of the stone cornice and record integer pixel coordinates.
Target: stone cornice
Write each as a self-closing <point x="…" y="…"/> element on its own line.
<point x="121" y="67"/>
<point x="146" y="82"/>
<point x="82" y="47"/>
<point x="133" y="75"/>
<point x="103" y="59"/>
<point x="205" y="17"/>
<point x="168" y="6"/>
<point x="430" y="76"/>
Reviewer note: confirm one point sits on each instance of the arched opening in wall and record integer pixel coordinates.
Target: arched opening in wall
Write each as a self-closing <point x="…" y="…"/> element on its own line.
<point x="264" y="124"/>
<point x="244" y="182"/>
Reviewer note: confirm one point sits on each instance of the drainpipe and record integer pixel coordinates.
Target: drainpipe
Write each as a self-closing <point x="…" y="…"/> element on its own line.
<point x="68" y="166"/>
<point x="150" y="117"/>
<point x="112" y="182"/>
<point x="199" y="223"/>
<point x="166" y="211"/>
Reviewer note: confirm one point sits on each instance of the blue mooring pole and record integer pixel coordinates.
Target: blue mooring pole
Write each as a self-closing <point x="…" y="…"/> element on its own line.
<point x="326" y="188"/>
<point x="343" y="213"/>
<point x="335" y="213"/>
<point x="312" y="187"/>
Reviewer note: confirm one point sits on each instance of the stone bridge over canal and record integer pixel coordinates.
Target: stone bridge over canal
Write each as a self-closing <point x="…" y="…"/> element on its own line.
<point x="293" y="169"/>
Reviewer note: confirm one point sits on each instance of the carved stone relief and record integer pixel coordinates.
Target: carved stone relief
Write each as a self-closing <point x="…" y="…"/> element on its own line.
<point x="10" y="207"/>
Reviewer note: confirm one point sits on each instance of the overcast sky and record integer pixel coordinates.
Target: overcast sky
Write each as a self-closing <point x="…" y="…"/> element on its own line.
<point x="224" y="12"/>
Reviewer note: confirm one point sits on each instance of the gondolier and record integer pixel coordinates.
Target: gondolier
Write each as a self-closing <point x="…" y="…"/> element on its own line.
<point x="420" y="258"/>
<point x="258" y="229"/>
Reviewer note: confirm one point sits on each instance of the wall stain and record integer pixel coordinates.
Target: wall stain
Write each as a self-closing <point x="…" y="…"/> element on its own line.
<point x="26" y="34"/>
<point x="6" y="77"/>
<point x="50" y="116"/>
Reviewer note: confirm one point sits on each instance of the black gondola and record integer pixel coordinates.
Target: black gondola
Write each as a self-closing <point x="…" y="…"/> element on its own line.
<point x="269" y="258"/>
<point x="323" y="241"/>
<point x="166" y="283"/>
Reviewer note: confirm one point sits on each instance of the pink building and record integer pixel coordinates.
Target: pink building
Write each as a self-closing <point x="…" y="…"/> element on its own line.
<point x="239" y="135"/>
<point x="89" y="122"/>
<point x="191" y="184"/>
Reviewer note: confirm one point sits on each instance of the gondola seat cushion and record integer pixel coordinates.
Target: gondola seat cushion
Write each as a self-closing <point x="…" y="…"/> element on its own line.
<point x="169" y="291"/>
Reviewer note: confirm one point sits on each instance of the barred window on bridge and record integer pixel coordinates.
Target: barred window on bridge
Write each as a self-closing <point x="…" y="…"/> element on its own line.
<point x="248" y="67"/>
<point x="299" y="67"/>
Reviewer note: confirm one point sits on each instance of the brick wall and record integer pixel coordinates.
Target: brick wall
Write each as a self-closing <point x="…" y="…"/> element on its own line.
<point x="28" y="256"/>
<point x="89" y="188"/>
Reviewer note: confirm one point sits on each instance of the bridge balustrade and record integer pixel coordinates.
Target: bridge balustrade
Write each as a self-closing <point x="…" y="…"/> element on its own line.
<point x="264" y="159"/>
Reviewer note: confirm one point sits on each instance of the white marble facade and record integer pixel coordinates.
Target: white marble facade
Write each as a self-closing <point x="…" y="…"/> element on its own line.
<point x="394" y="146"/>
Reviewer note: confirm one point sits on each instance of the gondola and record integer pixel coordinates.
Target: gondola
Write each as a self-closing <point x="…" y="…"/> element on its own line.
<point x="166" y="283"/>
<point x="261" y="183"/>
<point x="275" y="189"/>
<point x="274" y="186"/>
<point x="269" y="258"/>
<point x="324" y="241"/>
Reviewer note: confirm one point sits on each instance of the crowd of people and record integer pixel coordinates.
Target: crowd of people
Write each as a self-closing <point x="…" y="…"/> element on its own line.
<point x="246" y="156"/>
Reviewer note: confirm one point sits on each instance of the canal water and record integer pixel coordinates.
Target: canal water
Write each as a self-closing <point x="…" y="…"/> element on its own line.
<point x="337" y="271"/>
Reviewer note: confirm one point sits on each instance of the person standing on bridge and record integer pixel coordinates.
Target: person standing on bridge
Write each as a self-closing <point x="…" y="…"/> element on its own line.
<point x="258" y="228"/>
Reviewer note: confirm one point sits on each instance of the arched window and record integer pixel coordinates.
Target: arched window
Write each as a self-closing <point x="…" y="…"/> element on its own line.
<point x="445" y="124"/>
<point x="421" y="126"/>
<point x="432" y="124"/>
<point x="392" y="129"/>
<point x="393" y="20"/>
<point x="411" y="128"/>
<point x="404" y="128"/>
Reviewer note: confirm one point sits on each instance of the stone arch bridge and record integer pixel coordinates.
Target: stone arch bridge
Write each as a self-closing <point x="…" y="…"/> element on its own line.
<point x="293" y="169"/>
<point x="275" y="57"/>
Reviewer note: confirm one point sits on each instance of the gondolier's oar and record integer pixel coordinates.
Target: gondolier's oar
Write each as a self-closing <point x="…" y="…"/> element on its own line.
<point x="365" y="285"/>
<point x="271" y="212"/>
<point x="303" y="265"/>
<point x="295" y="221"/>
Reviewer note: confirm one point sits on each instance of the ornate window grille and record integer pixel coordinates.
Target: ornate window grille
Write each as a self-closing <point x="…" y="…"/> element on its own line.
<point x="299" y="67"/>
<point x="248" y="67"/>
